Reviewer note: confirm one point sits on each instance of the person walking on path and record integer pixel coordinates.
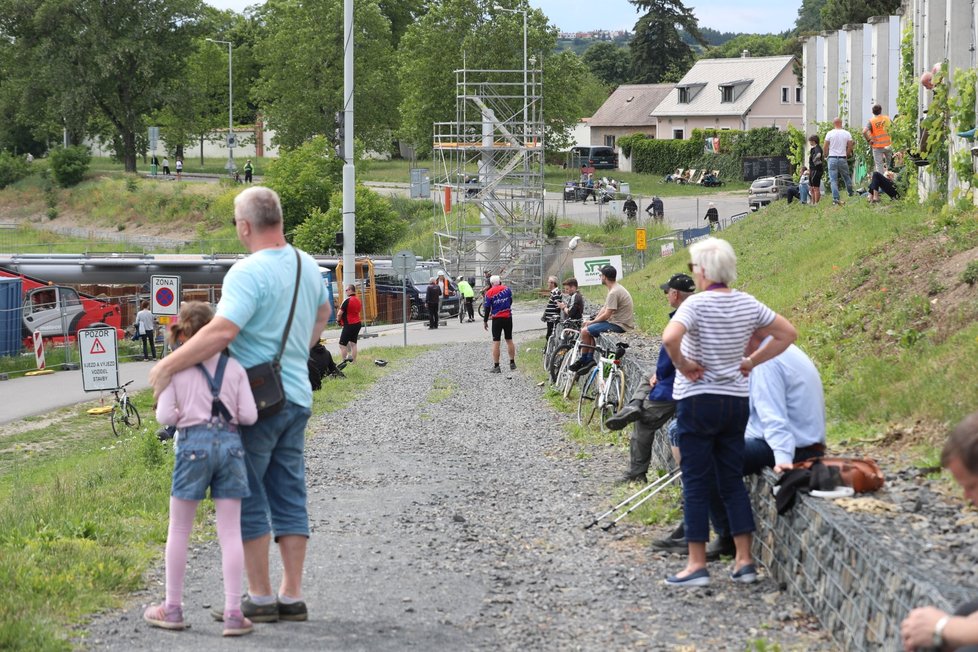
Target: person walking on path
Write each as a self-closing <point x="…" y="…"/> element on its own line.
<point x="166" y="167"/>
<point x="249" y="170"/>
<point x="499" y="308"/>
<point x="207" y="404"/>
<point x="348" y="317"/>
<point x="616" y="316"/>
<point x="432" y="301"/>
<point x="154" y="164"/>
<point x="468" y="296"/>
<point x="651" y="409"/>
<point x="146" y="329"/>
<point x="877" y="134"/>
<point x="713" y="216"/>
<point x="552" y="311"/>
<point x="179" y="169"/>
<point x="706" y="340"/>
<point x="838" y="147"/>
<point x="816" y="168"/>
<point x="252" y="318"/>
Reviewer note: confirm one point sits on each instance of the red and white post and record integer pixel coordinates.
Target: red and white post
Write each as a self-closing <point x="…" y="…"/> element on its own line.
<point x="39" y="350"/>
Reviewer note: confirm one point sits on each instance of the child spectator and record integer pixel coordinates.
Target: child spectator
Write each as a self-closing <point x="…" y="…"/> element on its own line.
<point x="207" y="404"/>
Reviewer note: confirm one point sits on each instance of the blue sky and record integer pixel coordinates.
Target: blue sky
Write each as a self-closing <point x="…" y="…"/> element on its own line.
<point x="755" y="16"/>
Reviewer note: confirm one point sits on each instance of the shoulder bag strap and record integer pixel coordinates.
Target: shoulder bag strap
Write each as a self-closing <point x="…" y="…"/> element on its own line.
<point x="295" y="296"/>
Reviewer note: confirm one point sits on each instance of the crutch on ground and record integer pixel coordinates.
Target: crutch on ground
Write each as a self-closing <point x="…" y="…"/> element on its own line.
<point x="649" y="490"/>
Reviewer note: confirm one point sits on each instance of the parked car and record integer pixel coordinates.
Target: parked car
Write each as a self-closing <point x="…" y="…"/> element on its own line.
<point x="389" y="282"/>
<point x="600" y="158"/>
<point x="768" y="189"/>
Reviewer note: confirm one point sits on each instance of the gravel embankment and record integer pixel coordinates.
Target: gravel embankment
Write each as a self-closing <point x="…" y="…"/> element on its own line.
<point x="448" y="507"/>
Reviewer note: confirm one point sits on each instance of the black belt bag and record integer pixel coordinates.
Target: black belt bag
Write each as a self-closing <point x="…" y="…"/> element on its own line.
<point x="266" y="378"/>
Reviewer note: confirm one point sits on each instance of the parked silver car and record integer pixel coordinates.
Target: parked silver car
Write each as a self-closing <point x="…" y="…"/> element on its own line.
<point x="768" y="189"/>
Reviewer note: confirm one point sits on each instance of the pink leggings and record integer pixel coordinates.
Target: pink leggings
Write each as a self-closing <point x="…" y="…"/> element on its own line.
<point x="182" y="514"/>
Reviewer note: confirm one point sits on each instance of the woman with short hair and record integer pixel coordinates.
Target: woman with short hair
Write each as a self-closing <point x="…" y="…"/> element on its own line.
<point x="705" y="339"/>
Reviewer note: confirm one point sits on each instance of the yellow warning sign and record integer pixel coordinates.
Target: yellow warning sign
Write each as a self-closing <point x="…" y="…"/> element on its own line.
<point x="640" y="244"/>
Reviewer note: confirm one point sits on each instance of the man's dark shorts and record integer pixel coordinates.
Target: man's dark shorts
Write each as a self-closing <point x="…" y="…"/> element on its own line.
<point x="501" y="325"/>
<point x="350" y="333"/>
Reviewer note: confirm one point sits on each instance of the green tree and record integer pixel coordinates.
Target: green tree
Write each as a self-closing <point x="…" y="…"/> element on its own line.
<point x="378" y="225"/>
<point x="837" y="13"/>
<point x="113" y="57"/>
<point x="608" y="62"/>
<point x="304" y="178"/>
<point x="473" y="34"/>
<point x="809" y="18"/>
<point x="759" y="45"/>
<point x="658" y="46"/>
<point x="301" y="84"/>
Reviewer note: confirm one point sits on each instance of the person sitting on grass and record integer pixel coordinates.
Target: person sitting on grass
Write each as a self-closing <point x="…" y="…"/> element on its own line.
<point x="207" y="403"/>
<point x="884" y="182"/>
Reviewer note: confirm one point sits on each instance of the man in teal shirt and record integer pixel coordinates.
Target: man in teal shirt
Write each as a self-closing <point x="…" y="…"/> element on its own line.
<point x="251" y="316"/>
<point x="468" y="294"/>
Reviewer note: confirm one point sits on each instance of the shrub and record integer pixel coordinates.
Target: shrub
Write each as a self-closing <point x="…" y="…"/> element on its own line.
<point x="12" y="169"/>
<point x="550" y="225"/>
<point x="970" y="273"/>
<point x="69" y="164"/>
<point x="304" y="179"/>
<point x="612" y="224"/>
<point x="378" y="225"/>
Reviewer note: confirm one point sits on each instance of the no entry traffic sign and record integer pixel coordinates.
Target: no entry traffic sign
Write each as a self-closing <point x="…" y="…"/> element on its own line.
<point x="165" y="295"/>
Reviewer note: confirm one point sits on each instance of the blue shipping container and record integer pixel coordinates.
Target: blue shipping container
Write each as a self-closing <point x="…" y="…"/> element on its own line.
<point x="11" y="297"/>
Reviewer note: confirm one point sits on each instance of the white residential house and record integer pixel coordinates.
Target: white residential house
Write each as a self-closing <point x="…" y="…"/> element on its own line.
<point x="627" y="111"/>
<point x="742" y="93"/>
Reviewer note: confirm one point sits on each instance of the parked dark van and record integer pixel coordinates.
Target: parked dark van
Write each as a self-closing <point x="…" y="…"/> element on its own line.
<point x="388" y="281"/>
<point x="600" y="158"/>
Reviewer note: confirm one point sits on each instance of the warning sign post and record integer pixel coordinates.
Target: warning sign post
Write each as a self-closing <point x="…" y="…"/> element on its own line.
<point x="99" y="359"/>
<point x="165" y="292"/>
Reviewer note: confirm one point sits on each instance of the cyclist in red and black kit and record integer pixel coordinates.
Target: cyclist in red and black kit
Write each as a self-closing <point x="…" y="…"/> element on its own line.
<point x="349" y="318"/>
<point x="499" y="308"/>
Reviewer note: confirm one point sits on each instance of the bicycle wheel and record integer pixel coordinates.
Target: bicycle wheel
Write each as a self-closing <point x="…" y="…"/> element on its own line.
<point x="548" y="351"/>
<point x="125" y="421"/>
<point x="568" y="377"/>
<point x="615" y="397"/>
<point x="588" y="403"/>
<point x="481" y="308"/>
<point x="557" y="360"/>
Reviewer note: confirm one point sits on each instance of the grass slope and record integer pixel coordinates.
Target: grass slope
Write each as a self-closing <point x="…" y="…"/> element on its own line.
<point x="879" y="298"/>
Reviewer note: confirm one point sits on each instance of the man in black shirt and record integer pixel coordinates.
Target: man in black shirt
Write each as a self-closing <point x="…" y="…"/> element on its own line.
<point x="573" y="308"/>
<point x="431" y="298"/>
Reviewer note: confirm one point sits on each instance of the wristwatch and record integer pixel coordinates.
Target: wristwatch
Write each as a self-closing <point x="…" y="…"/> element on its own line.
<point x="939" y="632"/>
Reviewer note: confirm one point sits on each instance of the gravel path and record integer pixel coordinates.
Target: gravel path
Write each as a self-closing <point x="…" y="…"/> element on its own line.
<point x="447" y="507"/>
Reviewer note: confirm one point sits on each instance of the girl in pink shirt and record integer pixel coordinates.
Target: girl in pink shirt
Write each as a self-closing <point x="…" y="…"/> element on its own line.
<point x="206" y="403"/>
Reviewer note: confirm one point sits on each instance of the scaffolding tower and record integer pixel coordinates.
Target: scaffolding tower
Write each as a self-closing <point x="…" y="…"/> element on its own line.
<point x="489" y="176"/>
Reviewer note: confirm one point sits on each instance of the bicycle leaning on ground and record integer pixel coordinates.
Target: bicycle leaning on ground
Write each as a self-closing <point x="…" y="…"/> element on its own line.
<point x="124" y="417"/>
<point x="603" y="391"/>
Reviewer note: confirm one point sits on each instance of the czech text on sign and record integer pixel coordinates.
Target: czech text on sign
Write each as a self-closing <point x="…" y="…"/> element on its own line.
<point x="587" y="270"/>
<point x="99" y="358"/>
<point x="640" y="239"/>
<point x="166" y="295"/>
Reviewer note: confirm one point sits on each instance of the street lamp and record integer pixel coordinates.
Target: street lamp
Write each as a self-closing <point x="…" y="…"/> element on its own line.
<point x="526" y="94"/>
<point x="230" y="108"/>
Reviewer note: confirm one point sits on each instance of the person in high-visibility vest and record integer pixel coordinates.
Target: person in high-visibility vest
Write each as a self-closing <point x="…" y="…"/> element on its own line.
<point x="249" y="169"/>
<point x="877" y="133"/>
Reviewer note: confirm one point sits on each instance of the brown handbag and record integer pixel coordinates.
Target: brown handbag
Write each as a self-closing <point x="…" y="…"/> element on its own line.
<point x="862" y="474"/>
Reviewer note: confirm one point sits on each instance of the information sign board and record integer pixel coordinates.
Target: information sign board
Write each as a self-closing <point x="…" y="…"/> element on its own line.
<point x="587" y="270"/>
<point x="99" y="358"/>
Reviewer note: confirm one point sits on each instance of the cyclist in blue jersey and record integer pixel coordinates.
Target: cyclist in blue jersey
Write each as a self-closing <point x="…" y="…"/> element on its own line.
<point x="499" y="308"/>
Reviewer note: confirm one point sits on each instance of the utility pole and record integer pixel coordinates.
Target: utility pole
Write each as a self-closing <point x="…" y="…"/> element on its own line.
<point x="349" y="197"/>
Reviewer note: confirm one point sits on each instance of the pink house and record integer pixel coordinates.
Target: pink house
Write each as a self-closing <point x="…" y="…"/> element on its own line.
<point x="741" y="93"/>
